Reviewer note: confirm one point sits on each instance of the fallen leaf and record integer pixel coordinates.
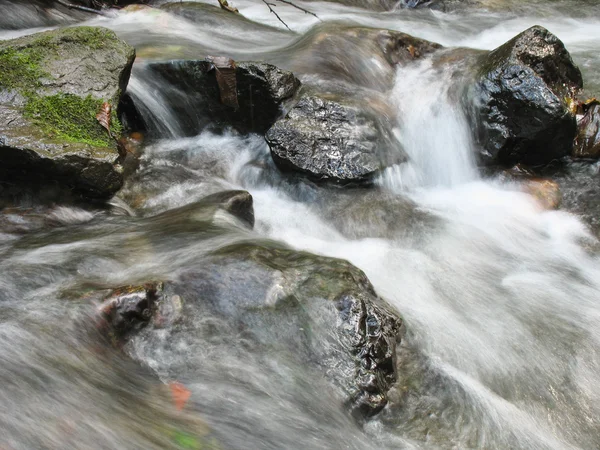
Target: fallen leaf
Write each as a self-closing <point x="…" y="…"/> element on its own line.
<point x="180" y="394"/>
<point x="412" y="51"/>
<point x="103" y="116"/>
<point x="226" y="79"/>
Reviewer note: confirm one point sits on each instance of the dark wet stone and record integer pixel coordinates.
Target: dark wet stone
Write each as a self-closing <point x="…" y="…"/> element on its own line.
<point x="191" y="85"/>
<point x="520" y="93"/>
<point x="328" y="140"/>
<point x="128" y="308"/>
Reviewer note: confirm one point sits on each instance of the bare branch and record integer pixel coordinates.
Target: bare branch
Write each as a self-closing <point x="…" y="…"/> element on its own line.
<point x="306" y="11"/>
<point x="276" y="15"/>
<point x="80" y="8"/>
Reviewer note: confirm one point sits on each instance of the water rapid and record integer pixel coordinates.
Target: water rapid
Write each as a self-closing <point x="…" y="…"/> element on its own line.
<point x="501" y="297"/>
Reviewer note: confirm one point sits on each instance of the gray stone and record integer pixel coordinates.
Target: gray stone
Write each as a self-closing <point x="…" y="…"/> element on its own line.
<point x="51" y="88"/>
<point x="320" y="311"/>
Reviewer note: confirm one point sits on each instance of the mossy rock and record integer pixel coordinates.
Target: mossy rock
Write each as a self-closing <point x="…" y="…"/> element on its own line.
<point x="52" y="86"/>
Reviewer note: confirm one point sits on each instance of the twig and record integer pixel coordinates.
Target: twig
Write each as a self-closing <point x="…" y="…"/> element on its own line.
<point x="276" y="15"/>
<point x="306" y="11"/>
<point x="80" y="8"/>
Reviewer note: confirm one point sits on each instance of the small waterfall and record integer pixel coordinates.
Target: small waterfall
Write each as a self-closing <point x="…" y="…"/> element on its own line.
<point x="432" y="129"/>
<point x="147" y="95"/>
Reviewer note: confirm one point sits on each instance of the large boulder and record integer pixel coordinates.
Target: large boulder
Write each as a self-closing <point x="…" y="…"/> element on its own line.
<point x="330" y="140"/>
<point x="220" y="93"/>
<point x="522" y="91"/>
<point x="52" y="87"/>
<point x="318" y="311"/>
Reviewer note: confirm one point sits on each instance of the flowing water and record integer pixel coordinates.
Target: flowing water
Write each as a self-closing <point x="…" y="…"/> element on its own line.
<point x="501" y="298"/>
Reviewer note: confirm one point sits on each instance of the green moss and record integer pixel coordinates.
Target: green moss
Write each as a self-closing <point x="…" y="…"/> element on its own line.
<point x="20" y="69"/>
<point x="71" y="118"/>
<point x="92" y="37"/>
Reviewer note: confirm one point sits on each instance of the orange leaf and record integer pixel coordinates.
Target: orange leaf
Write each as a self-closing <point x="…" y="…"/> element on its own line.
<point x="180" y="394"/>
<point x="103" y="116"/>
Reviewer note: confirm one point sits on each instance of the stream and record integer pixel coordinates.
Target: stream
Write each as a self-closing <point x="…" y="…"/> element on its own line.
<point x="500" y="297"/>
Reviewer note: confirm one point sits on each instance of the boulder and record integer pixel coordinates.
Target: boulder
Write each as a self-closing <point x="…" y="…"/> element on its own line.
<point x="220" y="93"/>
<point x="587" y="143"/>
<point x="356" y="56"/>
<point x="521" y="92"/>
<point x="319" y="311"/>
<point x="52" y="87"/>
<point x="330" y="140"/>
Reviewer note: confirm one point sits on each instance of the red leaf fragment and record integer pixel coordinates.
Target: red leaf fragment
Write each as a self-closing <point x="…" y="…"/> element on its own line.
<point x="180" y="394"/>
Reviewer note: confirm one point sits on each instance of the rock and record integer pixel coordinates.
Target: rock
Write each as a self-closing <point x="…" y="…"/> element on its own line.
<point x="128" y="308"/>
<point x="374" y="213"/>
<point x="358" y="56"/>
<point x="237" y="203"/>
<point x="329" y="140"/>
<point x="17" y="14"/>
<point x="215" y="17"/>
<point x="52" y="86"/>
<point x="546" y="192"/>
<point x="587" y="142"/>
<point x="521" y="91"/>
<point x="260" y="89"/>
<point x="322" y="312"/>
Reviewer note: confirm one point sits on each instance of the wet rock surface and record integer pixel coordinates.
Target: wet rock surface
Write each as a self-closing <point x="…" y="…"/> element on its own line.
<point x="52" y="86"/>
<point x="580" y="187"/>
<point x="329" y="140"/>
<point x="128" y="308"/>
<point x="237" y="203"/>
<point x="337" y="54"/>
<point x="587" y="142"/>
<point x="521" y="94"/>
<point x="259" y="92"/>
<point x="318" y="311"/>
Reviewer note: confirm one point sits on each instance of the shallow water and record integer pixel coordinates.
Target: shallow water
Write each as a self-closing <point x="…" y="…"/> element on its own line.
<point x="501" y="298"/>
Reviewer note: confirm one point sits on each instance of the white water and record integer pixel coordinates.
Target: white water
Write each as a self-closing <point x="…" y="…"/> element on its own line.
<point x="501" y="297"/>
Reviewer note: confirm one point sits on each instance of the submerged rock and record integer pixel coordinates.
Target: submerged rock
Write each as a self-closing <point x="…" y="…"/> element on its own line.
<point x="128" y="308"/>
<point x="52" y="86"/>
<point x="587" y="143"/>
<point x="329" y="140"/>
<point x="237" y="203"/>
<point x="250" y="98"/>
<point x="359" y="56"/>
<point x="521" y="94"/>
<point x="320" y="311"/>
